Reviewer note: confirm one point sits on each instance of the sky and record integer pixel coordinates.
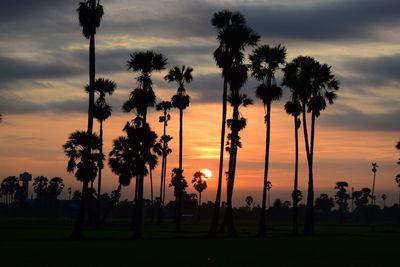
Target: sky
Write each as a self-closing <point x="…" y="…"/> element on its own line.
<point x="44" y="67"/>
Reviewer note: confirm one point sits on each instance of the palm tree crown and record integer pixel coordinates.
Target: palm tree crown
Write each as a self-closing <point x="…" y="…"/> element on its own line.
<point x="90" y="15"/>
<point x="180" y="75"/>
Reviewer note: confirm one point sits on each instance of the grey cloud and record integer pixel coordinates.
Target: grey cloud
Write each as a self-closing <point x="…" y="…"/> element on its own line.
<point x="356" y="120"/>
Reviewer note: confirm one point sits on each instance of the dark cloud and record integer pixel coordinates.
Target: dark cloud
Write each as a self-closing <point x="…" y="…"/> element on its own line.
<point x="16" y="69"/>
<point x="384" y="70"/>
<point x="355" y="120"/>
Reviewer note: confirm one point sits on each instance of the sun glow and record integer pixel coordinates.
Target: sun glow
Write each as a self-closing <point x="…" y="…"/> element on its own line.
<point x="207" y="174"/>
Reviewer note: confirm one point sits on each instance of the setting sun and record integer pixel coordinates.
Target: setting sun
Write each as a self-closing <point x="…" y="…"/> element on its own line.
<point x="207" y="173"/>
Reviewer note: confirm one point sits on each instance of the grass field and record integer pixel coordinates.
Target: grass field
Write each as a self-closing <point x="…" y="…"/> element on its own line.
<point x="44" y="242"/>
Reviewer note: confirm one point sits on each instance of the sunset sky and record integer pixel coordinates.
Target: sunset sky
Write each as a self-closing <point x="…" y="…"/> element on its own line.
<point x="44" y="67"/>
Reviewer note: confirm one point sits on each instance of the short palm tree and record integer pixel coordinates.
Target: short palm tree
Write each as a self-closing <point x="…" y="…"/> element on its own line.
<point x="342" y="198"/>
<point x="84" y="165"/>
<point x="265" y="61"/>
<point x="233" y="36"/>
<point x="199" y="184"/>
<point x="181" y="75"/>
<point x="102" y="111"/>
<point x="131" y="157"/>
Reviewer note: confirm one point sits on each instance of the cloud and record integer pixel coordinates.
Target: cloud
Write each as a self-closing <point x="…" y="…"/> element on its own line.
<point x="352" y="119"/>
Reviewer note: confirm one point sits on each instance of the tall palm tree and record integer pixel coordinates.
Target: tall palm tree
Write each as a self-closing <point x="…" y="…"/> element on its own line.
<point x="141" y="98"/>
<point x="102" y="111"/>
<point x="84" y="166"/>
<point x="180" y="100"/>
<point x="237" y="78"/>
<point x="265" y="61"/>
<point x="233" y="36"/>
<point x="90" y="14"/>
<point x="293" y="108"/>
<point x="317" y="85"/>
<point x="163" y="150"/>
<point x="199" y="184"/>
<point x="130" y="156"/>
<point x="397" y="178"/>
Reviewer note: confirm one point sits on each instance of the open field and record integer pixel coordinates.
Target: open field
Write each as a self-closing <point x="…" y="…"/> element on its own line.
<point x="43" y="242"/>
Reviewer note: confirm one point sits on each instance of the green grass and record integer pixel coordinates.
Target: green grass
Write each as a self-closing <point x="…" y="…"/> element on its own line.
<point x="43" y="242"/>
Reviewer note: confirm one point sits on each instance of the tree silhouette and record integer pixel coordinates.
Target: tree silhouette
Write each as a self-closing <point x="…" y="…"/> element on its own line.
<point x="163" y="149"/>
<point x="324" y="203"/>
<point x="397" y="178"/>
<point x="179" y="184"/>
<point x="265" y="61"/>
<point x="233" y="36"/>
<point x="130" y="156"/>
<point x="84" y="166"/>
<point x="374" y="169"/>
<point x="249" y="200"/>
<point x="8" y="187"/>
<point x="199" y="184"/>
<point x="102" y="111"/>
<point x="180" y="101"/>
<point x="342" y="198"/>
<point x="40" y="185"/>
<point x="69" y="193"/>
<point x="316" y="85"/>
<point x="293" y="108"/>
<point x="90" y="14"/>
<point x="384" y="197"/>
<point x="237" y="78"/>
<point x="141" y="98"/>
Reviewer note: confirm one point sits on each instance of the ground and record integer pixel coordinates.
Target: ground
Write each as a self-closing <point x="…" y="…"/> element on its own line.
<point x="44" y="242"/>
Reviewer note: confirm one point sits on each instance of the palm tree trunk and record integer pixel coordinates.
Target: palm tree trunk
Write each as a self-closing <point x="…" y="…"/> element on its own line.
<point x="214" y="223"/>
<point x="199" y="208"/>
<point x="373" y="190"/>
<point x="296" y="171"/>
<point x="160" y="203"/>
<point x="98" y="211"/>
<point x="179" y="200"/>
<point x="309" y="220"/>
<point x="151" y="195"/>
<point x="261" y="229"/>
<point x="139" y="209"/>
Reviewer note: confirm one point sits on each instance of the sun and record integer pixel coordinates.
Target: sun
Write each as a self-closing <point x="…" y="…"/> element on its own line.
<point x="207" y="173"/>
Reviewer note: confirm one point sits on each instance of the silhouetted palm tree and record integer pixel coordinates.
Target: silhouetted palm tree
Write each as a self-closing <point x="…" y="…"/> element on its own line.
<point x="130" y="156"/>
<point x="90" y="14"/>
<point x="293" y="108"/>
<point x="316" y="85"/>
<point x="342" y="198"/>
<point x="55" y="187"/>
<point x="397" y="178"/>
<point x="237" y="77"/>
<point x="141" y="98"/>
<point x="265" y="61"/>
<point x="199" y="184"/>
<point x="8" y="187"/>
<point x="39" y="185"/>
<point x="233" y="37"/>
<point x="249" y="200"/>
<point x="102" y="111"/>
<point x="384" y="197"/>
<point x="84" y="166"/>
<point x="180" y="100"/>
<point x="163" y="150"/>
<point x="374" y="169"/>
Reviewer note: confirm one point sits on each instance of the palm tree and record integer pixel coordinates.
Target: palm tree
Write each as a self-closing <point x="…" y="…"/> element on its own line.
<point x="342" y="198"/>
<point x="40" y="184"/>
<point x="384" y="197"/>
<point x="84" y="166"/>
<point x="237" y="78"/>
<point x="269" y="187"/>
<point x="233" y="36"/>
<point x="130" y="156"/>
<point x="316" y="86"/>
<point x="55" y="187"/>
<point x="293" y="108"/>
<point x="141" y="98"/>
<point x="397" y="178"/>
<point x="249" y="200"/>
<point x="90" y="14"/>
<point x="374" y="169"/>
<point x="199" y="184"/>
<point x="102" y="111"/>
<point x="180" y="100"/>
<point x="8" y="187"/>
<point x="163" y="150"/>
<point x="265" y="61"/>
